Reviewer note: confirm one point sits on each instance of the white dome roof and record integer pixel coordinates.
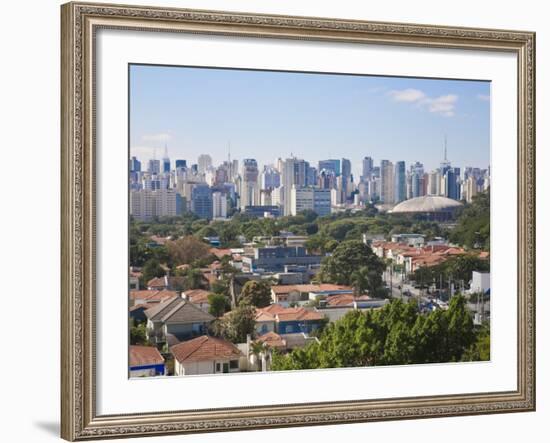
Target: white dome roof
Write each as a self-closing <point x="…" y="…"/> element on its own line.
<point x="427" y="203"/>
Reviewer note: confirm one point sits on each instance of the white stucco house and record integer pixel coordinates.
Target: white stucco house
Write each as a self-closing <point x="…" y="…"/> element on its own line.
<point x="205" y="355"/>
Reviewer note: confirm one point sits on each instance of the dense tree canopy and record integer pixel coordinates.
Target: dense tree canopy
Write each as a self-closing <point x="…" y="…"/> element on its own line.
<point x="394" y="335"/>
<point x="219" y="304"/>
<point x="236" y="325"/>
<point x="456" y="270"/>
<point x="256" y="293"/>
<point x="353" y="263"/>
<point x="473" y="228"/>
<point x="187" y="249"/>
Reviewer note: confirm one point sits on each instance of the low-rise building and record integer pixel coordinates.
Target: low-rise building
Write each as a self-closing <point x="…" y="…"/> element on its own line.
<point x="285" y="295"/>
<point x="150" y="296"/>
<point x="205" y="355"/>
<point x="145" y="361"/>
<point x="176" y="318"/>
<point x="282" y="320"/>
<point x="275" y="258"/>
<point x="199" y="297"/>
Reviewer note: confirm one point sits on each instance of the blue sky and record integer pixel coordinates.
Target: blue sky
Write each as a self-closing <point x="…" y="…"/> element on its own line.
<point x="265" y="115"/>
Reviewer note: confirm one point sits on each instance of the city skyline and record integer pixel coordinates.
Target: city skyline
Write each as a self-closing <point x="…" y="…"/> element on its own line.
<point x="194" y="111"/>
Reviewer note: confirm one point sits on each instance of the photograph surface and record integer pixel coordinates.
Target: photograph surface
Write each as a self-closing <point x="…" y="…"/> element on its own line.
<point x="297" y="221"/>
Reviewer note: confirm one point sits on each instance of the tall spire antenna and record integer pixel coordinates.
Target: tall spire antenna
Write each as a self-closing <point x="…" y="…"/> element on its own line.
<point x="165" y="150"/>
<point x="445" y="148"/>
<point x="229" y="151"/>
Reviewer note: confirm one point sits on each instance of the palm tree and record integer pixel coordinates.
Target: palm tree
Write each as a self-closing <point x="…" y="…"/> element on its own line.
<point x="258" y="350"/>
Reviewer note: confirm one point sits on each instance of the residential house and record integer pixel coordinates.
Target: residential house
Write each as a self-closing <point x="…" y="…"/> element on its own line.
<point x="166" y="282"/>
<point x="146" y="361"/>
<point x="137" y="312"/>
<point x="205" y="355"/>
<point x="284" y="320"/>
<point x="335" y="307"/>
<point x="150" y="296"/>
<point x="301" y="294"/>
<point x="199" y="297"/>
<point x="176" y="319"/>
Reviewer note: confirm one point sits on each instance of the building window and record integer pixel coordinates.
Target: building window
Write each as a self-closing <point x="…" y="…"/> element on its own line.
<point x="218" y="367"/>
<point x="234" y="364"/>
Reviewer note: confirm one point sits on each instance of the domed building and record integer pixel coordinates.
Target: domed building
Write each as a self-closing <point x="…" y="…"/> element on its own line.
<point x="430" y="207"/>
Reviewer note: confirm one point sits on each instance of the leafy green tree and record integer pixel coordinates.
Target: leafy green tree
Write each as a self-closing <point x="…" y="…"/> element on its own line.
<point x="349" y="257"/>
<point x="237" y="324"/>
<point x="138" y="334"/>
<point x="152" y="269"/>
<point x="481" y="349"/>
<point x="256" y="293"/>
<point x="194" y="279"/>
<point x="460" y="332"/>
<point x="394" y="335"/>
<point x="473" y="227"/>
<point x="219" y="304"/>
<point x="187" y="249"/>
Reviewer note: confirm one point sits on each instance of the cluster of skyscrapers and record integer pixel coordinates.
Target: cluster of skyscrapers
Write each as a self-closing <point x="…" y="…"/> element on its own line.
<point x="288" y="186"/>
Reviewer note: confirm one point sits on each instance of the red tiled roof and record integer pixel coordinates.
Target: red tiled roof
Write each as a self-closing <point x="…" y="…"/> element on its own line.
<point x="299" y="314"/>
<point x="285" y="289"/>
<point x="205" y="348"/>
<point x="345" y="299"/>
<point x="219" y="252"/>
<point x="197" y="295"/>
<point x="145" y="355"/>
<point x="152" y="295"/>
<point x="159" y="240"/>
<point x="272" y="340"/>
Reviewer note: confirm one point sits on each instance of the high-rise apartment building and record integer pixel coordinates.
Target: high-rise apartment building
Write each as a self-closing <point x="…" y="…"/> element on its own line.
<point x="219" y="205"/>
<point x="294" y="174"/>
<point x="367" y="170"/>
<point x="400" y="185"/>
<point x="330" y="165"/>
<point x="204" y="162"/>
<point x="250" y="186"/>
<point x="146" y="204"/>
<point x="270" y="178"/>
<point x="201" y="201"/>
<point x="135" y="165"/>
<point x="386" y="182"/>
<point x="310" y="198"/>
<point x="153" y="166"/>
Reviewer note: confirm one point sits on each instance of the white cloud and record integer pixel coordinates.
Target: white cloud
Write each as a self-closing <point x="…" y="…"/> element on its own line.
<point x="161" y="137"/>
<point x="407" y="95"/>
<point x="483" y="97"/>
<point x="443" y="105"/>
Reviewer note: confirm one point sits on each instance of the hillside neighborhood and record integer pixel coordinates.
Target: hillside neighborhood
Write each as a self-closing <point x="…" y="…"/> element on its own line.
<point x="202" y="305"/>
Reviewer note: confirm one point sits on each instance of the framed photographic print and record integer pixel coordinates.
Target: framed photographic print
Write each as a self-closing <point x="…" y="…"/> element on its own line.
<point x="283" y="221"/>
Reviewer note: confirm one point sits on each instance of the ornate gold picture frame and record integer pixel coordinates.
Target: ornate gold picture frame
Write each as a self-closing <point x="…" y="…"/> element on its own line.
<point x="80" y="22"/>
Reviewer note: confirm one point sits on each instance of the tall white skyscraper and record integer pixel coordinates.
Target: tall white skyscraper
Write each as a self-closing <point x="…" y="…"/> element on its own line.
<point x="434" y="183"/>
<point x="219" y="205"/>
<point x="250" y="186"/>
<point x="386" y="182"/>
<point x="204" y="162"/>
<point x="367" y="168"/>
<point x="153" y="166"/>
<point x="294" y="174"/>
